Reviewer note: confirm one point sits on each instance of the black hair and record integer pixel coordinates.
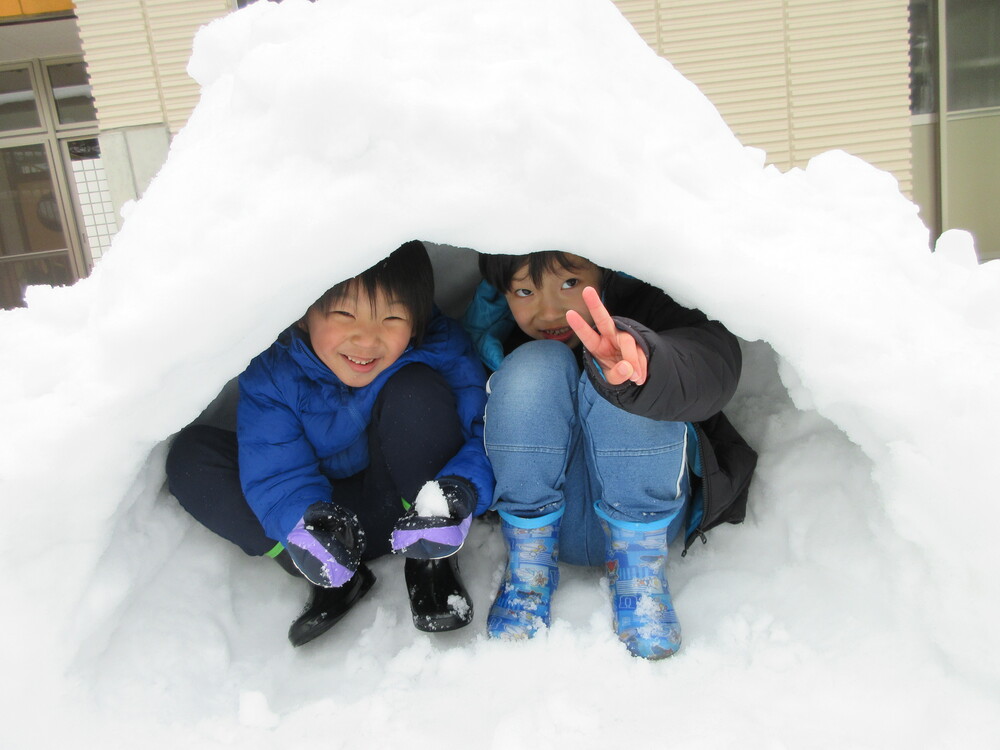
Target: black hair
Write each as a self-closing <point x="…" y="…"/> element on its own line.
<point x="405" y="276"/>
<point x="499" y="270"/>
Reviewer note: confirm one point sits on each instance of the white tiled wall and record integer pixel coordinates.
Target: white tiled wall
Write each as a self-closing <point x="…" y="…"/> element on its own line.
<point x="100" y="223"/>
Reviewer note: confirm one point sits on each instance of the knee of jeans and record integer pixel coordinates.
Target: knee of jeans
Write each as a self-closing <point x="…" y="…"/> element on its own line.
<point x="535" y="367"/>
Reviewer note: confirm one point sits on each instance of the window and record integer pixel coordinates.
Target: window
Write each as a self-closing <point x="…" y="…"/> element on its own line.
<point x="18" y="105"/>
<point x="923" y="57"/>
<point x="71" y="92"/>
<point x="32" y="241"/>
<point x="973" y="36"/>
<point x="49" y="156"/>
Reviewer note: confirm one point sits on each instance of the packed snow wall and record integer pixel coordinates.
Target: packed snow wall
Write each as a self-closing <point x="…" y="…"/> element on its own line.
<point x="327" y="134"/>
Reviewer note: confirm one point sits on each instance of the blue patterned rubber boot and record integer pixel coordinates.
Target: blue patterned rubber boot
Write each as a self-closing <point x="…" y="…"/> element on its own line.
<point x="640" y="598"/>
<point x="523" y="603"/>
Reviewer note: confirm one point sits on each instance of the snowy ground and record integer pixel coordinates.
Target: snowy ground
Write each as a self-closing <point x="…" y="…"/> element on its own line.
<point x="854" y="608"/>
<point x="796" y="636"/>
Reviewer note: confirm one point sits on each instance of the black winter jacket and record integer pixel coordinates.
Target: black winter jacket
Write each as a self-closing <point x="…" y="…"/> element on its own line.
<point x="694" y="368"/>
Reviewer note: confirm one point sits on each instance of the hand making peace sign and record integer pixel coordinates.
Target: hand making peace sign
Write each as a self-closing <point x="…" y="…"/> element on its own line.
<point x="617" y="352"/>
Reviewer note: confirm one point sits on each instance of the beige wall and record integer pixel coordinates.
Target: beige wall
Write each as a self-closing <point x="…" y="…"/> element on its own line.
<point x="795" y="77"/>
<point x="137" y="53"/>
<point x="925" y="171"/>
<point x="971" y="164"/>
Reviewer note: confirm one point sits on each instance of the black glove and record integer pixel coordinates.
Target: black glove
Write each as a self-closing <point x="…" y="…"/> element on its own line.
<point x="326" y="544"/>
<point x="438" y="522"/>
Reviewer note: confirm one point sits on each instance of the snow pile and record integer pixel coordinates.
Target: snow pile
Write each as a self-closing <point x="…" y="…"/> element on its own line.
<point x="854" y="608"/>
<point x="431" y="501"/>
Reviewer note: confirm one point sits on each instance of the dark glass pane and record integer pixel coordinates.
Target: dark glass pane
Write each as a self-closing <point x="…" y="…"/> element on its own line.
<point x="923" y="57"/>
<point x="18" y="110"/>
<point x="973" y="29"/>
<point x="16" y="275"/>
<point x="71" y="89"/>
<point x="29" y="212"/>
<point x="88" y="148"/>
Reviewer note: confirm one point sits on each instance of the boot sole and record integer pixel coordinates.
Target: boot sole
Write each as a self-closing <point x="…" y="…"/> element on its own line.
<point x="441" y="623"/>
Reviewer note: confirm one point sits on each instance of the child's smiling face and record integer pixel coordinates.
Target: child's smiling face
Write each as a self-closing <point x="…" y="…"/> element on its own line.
<point x="357" y="338"/>
<point x="540" y="310"/>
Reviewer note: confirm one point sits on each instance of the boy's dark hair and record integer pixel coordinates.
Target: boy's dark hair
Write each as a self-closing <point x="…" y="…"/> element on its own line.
<point x="499" y="270"/>
<point x="406" y="277"/>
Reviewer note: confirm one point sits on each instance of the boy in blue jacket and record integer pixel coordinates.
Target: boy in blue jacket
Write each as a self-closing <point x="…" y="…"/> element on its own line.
<point x="359" y="433"/>
<point x="606" y="436"/>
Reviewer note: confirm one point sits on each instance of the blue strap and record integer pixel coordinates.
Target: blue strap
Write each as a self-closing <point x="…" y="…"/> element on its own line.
<point x="531" y="523"/>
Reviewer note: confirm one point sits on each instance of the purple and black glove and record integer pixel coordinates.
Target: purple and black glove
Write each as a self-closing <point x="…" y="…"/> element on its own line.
<point x="326" y="544"/>
<point x="438" y="522"/>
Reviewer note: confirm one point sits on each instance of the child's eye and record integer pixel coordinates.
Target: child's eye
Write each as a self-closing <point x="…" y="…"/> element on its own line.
<point x="570" y="283"/>
<point x="522" y="292"/>
<point x="394" y="318"/>
<point x="342" y="313"/>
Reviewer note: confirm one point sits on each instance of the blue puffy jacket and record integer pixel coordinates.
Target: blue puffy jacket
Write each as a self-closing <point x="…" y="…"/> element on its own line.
<point x="299" y="425"/>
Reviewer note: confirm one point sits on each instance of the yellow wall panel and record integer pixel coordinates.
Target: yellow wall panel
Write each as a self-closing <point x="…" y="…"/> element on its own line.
<point x="31" y="7"/>
<point x="13" y="8"/>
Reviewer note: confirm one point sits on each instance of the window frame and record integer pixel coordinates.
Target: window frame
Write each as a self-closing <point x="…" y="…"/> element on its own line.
<point x="40" y="107"/>
<point x="54" y="138"/>
<point x="50" y="96"/>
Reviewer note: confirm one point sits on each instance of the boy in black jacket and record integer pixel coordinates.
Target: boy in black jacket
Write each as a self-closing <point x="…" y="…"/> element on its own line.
<point x="605" y="434"/>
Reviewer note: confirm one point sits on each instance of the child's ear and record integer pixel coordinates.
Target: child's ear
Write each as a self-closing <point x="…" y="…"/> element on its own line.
<point x="301" y="323"/>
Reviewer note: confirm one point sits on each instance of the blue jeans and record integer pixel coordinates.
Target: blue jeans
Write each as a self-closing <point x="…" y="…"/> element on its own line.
<point x="555" y="443"/>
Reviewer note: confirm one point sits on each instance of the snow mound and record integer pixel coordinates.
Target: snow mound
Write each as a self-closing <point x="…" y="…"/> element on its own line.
<point x="860" y="594"/>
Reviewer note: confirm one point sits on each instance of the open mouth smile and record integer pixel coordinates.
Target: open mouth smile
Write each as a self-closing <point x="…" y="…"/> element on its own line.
<point x="559" y="334"/>
<point x="357" y="361"/>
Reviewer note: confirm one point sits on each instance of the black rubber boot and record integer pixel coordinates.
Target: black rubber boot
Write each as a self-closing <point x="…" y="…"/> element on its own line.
<point x="438" y="600"/>
<point x="326" y="607"/>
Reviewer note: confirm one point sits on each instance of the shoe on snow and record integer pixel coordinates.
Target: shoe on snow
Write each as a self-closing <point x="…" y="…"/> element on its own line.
<point x="644" y="615"/>
<point x="523" y="603"/>
<point x="327" y="606"/>
<point x="438" y="600"/>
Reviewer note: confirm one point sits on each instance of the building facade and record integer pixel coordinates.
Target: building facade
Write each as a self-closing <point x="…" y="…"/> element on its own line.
<point x="955" y="102"/>
<point x="92" y="92"/>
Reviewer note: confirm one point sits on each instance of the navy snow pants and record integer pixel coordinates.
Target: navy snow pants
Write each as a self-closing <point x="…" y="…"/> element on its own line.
<point x="414" y="431"/>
